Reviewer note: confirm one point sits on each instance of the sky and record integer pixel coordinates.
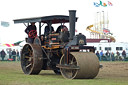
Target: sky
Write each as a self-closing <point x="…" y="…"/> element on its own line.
<point x="85" y="11"/>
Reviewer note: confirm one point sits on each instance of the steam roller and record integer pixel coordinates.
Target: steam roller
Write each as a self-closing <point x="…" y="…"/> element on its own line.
<point x="62" y="51"/>
<point x="81" y="65"/>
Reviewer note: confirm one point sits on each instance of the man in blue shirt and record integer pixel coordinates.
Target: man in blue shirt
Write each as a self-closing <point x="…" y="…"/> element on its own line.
<point x="101" y="54"/>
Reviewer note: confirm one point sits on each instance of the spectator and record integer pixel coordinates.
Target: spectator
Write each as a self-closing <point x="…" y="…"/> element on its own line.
<point x="103" y="58"/>
<point x="117" y="56"/>
<point x="101" y="54"/>
<point x="14" y="55"/>
<point x="98" y="55"/>
<point x="3" y="54"/>
<point x="10" y="53"/>
<point x="107" y="55"/>
<point x="113" y="56"/>
<point x="124" y="54"/>
<point x="17" y="54"/>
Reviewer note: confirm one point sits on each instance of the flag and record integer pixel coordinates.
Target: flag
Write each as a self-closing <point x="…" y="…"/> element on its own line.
<point x="17" y="43"/>
<point x="4" y="24"/>
<point x="106" y="30"/>
<point x="76" y="30"/>
<point x="110" y="4"/>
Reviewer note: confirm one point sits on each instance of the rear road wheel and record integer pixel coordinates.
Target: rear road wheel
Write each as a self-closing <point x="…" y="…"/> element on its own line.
<point x="31" y="59"/>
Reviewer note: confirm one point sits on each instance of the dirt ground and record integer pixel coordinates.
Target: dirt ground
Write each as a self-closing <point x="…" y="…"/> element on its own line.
<point x="114" y="69"/>
<point x="118" y="69"/>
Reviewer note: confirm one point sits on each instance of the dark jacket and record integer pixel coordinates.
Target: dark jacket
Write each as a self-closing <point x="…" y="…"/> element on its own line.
<point x="47" y="30"/>
<point x="124" y="53"/>
<point x="17" y="53"/>
<point x="3" y="53"/>
<point x="29" y="28"/>
<point x="61" y="27"/>
<point x="118" y="54"/>
<point x="13" y="52"/>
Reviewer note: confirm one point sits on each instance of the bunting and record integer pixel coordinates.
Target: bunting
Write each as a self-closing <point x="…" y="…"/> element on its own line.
<point x="8" y="45"/>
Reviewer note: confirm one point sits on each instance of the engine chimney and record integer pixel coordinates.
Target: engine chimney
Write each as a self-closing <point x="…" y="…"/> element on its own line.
<point x="72" y="20"/>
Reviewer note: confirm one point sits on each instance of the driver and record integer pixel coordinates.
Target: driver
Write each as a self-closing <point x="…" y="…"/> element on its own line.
<point x="31" y="31"/>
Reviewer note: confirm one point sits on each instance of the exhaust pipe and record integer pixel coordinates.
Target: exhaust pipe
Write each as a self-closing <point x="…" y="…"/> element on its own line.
<point x="72" y="20"/>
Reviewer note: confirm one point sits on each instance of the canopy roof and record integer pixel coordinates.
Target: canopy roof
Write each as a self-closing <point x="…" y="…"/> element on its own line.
<point x="45" y="19"/>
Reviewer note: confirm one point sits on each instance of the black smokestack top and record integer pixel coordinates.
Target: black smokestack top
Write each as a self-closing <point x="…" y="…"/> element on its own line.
<point x="72" y="20"/>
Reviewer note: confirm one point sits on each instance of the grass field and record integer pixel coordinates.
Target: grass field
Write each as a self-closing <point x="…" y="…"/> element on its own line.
<point x="112" y="73"/>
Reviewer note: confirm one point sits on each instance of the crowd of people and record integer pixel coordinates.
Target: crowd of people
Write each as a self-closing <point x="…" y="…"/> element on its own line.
<point x="13" y="55"/>
<point x="111" y="56"/>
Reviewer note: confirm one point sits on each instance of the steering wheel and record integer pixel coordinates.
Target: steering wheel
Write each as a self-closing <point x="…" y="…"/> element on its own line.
<point x="32" y="34"/>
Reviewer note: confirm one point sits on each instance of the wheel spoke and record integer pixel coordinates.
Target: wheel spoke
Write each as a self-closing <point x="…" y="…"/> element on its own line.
<point x="71" y="74"/>
<point x="75" y="63"/>
<point x="26" y="52"/>
<point x="28" y="65"/>
<point x="28" y="57"/>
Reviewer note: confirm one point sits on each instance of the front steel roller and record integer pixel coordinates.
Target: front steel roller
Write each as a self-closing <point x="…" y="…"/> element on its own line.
<point x="80" y="65"/>
<point x="31" y="59"/>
